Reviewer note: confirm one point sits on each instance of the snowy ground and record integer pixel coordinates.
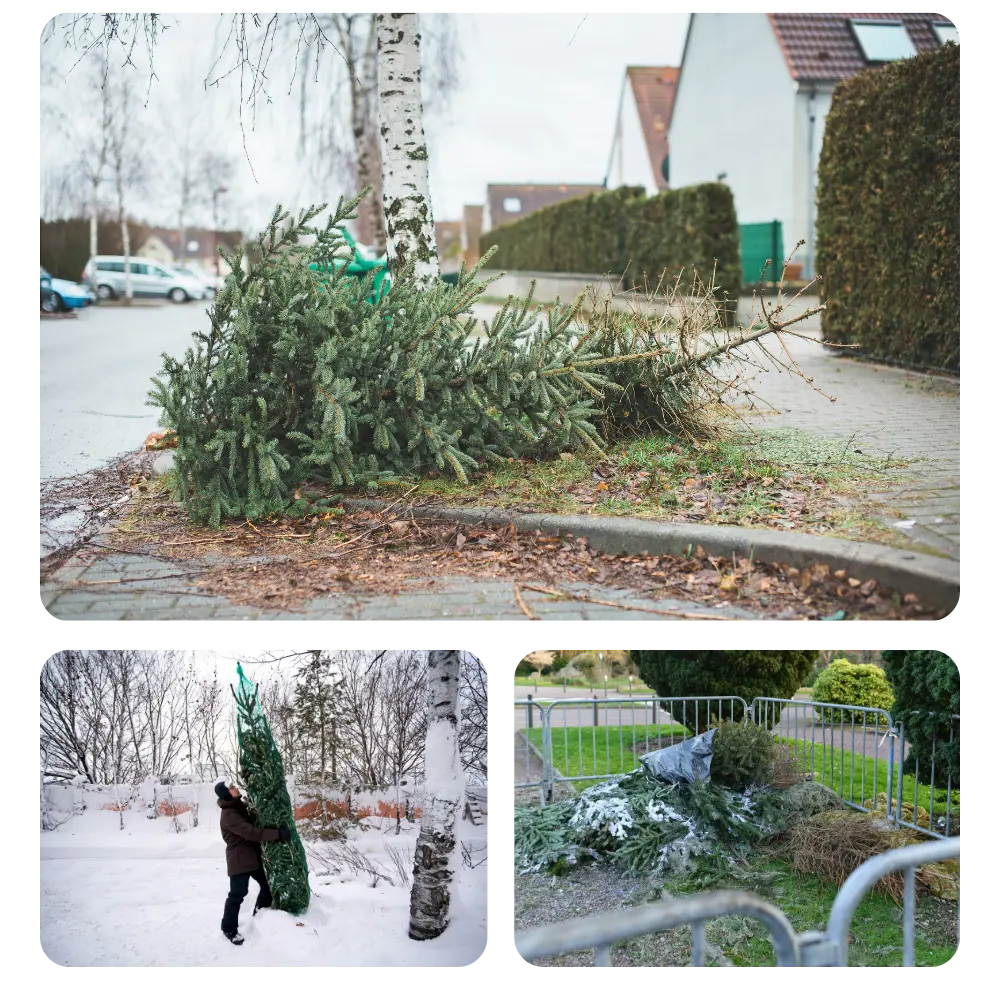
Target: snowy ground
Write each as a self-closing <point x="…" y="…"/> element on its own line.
<point x="151" y="896"/>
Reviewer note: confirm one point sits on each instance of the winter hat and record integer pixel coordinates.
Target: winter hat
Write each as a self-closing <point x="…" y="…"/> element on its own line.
<point x="222" y="790"/>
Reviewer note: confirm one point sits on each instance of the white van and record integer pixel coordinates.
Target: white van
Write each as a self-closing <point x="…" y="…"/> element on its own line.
<point x="150" y="279"/>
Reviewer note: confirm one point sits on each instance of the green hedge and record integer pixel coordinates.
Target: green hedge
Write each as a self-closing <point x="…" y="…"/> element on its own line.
<point x="846" y="683"/>
<point x="887" y="224"/>
<point x="624" y="232"/>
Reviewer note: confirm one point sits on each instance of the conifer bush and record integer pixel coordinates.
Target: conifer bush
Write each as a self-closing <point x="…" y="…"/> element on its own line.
<point x="300" y="376"/>
<point x="303" y="375"/>
<point x="743" y="754"/>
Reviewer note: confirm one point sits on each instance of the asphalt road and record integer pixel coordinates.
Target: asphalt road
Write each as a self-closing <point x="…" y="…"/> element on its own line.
<point x="95" y="373"/>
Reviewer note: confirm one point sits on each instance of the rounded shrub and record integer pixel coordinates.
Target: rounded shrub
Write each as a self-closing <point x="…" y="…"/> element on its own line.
<point x="848" y="683"/>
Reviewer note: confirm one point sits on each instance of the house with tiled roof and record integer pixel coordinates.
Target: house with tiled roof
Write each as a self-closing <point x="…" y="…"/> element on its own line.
<point x="198" y="247"/>
<point x="640" y="149"/>
<point x="509" y="202"/>
<point x="752" y="97"/>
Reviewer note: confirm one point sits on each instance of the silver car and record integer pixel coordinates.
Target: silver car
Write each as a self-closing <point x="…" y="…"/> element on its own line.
<point x="210" y="282"/>
<point x="149" y="279"/>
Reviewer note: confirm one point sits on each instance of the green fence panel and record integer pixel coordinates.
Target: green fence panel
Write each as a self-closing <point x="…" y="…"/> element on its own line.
<point x="761" y="242"/>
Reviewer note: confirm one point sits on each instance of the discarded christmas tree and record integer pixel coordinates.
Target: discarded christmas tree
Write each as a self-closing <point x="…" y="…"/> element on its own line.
<point x="263" y="776"/>
<point x="309" y="377"/>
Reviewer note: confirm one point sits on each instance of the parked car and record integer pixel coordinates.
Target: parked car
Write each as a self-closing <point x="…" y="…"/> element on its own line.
<point x="149" y="278"/>
<point x="58" y="295"/>
<point x="211" y="282"/>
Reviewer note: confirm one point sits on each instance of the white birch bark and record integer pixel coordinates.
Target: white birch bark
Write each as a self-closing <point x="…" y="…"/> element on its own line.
<point x="430" y="897"/>
<point x="406" y="195"/>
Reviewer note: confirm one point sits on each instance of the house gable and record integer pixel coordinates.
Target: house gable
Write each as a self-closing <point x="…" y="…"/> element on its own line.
<point x="823" y="47"/>
<point x="733" y="114"/>
<point x="653" y="90"/>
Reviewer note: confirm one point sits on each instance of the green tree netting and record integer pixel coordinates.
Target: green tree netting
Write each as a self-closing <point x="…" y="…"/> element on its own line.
<point x="263" y="774"/>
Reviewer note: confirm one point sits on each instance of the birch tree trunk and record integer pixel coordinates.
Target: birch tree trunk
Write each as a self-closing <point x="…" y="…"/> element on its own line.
<point x="93" y="235"/>
<point x="406" y="197"/>
<point x="430" y="897"/>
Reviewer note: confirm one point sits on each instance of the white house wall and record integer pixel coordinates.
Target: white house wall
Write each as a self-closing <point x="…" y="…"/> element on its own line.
<point x="734" y="114"/>
<point x="801" y="224"/>
<point x="635" y="169"/>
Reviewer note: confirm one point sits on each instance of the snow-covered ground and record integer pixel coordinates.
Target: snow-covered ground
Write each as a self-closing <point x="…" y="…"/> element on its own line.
<point x="150" y="895"/>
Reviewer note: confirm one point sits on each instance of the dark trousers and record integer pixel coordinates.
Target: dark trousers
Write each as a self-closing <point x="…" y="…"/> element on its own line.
<point x="238" y="886"/>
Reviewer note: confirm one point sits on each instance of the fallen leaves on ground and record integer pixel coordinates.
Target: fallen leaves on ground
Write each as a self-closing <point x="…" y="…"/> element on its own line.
<point x="284" y="564"/>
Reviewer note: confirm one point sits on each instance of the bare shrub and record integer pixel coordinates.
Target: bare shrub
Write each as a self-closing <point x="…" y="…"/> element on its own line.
<point x="402" y="861"/>
<point x="332" y="858"/>
<point x="472" y="857"/>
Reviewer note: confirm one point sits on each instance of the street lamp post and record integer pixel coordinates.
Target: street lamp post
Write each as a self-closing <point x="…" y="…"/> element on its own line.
<point x="221" y="189"/>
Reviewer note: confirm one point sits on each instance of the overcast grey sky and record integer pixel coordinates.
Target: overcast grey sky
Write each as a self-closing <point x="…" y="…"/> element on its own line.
<point x="536" y="103"/>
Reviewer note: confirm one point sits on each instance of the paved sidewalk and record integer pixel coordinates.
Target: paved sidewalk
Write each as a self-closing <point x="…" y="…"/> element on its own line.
<point x="888" y="413"/>
<point x="156" y="589"/>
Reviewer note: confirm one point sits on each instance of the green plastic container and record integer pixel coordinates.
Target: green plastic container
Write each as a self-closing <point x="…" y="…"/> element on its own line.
<point x="361" y="266"/>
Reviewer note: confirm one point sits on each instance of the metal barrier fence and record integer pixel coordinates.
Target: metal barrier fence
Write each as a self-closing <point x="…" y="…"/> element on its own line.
<point x="599" y="708"/>
<point x="828" y="947"/>
<point x="856" y="750"/>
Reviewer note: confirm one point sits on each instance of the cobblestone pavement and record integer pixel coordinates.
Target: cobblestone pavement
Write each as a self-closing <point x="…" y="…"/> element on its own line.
<point x="889" y="413"/>
<point x="886" y="412"/>
<point x="129" y="587"/>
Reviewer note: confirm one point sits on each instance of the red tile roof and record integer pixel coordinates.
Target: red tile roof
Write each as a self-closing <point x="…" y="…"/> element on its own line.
<point x="823" y="46"/>
<point x="532" y="197"/>
<point x="654" y="88"/>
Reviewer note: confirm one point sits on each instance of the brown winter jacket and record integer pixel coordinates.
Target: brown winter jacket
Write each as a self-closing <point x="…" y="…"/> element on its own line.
<point x="242" y="838"/>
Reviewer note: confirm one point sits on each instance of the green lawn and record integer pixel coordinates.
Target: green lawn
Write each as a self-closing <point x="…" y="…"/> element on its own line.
<point x="578" y="750"/>
<point x="876" y="933"/>
<point x="836" y="770"/>
<point x="619" y="686"/>
<point x="602" y="749"/>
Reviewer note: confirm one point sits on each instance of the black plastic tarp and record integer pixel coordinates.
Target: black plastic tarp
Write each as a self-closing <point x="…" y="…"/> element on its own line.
<point x="687" y="761"/>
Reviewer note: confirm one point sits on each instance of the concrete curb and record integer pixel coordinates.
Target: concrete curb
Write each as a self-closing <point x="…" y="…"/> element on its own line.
<point x="935" y="580"/>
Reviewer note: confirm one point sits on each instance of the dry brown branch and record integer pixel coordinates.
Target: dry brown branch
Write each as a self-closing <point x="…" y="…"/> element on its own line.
<point x="562" y="595"/>
<point x="199" y="541"/>
<point x="528" y="613"/>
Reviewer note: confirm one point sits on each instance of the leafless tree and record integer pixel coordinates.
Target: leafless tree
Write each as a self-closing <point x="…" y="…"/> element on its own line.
<point x="362" y="754"/>
<point x="402" y="714"/>
<point x="68" y="732"/>
<point x="125" y="151"/>
<point x="473" y="731"/>
<point x="188" y="135"/>
<point x="210" y="711"/>
<point x="127" y="727"/>
<point x="88" y="133"/>
<point x="162" y="691"/>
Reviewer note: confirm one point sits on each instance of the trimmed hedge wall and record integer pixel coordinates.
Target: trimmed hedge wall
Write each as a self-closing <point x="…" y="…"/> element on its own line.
<point x="609" y="231"/>
<point x="887" y="223"/>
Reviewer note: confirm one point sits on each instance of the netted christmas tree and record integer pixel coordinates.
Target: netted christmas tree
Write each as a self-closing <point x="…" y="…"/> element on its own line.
<point x="305" y="374"/>
<point x="263" y="776"/>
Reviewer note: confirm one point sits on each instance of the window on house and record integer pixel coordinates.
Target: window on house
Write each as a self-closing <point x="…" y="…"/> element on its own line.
<point x="512" y="204"/>
<point x="946" y="33"/>
<point x="883" y="41"/>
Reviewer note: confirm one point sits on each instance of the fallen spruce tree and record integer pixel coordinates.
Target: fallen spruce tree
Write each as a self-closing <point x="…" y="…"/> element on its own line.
<point x="755" y="799"/>
<point x="304" y="375"/>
